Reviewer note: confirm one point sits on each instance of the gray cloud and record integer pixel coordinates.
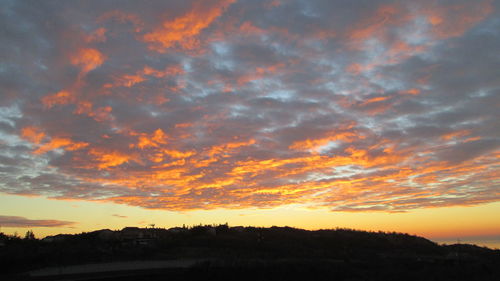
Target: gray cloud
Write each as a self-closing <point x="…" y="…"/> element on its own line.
<point x="14" y="221"/>
<point x="349" y="106"/>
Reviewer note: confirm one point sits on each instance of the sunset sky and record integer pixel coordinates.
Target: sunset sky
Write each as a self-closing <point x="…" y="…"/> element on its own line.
<point x="374" y="115"/>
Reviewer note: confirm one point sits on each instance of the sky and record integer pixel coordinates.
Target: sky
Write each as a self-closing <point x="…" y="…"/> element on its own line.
<point x="374" y="115"/>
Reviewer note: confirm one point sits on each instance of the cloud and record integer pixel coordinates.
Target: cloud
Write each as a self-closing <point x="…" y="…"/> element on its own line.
<point x="119" y="216"/>
<point x="88" y="59"/>
<point x="13" y="221"/>
<point x="380" y="106"/>
<point x="183" y="30"/>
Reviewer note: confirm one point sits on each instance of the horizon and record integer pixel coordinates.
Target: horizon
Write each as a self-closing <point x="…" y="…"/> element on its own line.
<point x="489" y="241"/>
<point x="373" y="115"/>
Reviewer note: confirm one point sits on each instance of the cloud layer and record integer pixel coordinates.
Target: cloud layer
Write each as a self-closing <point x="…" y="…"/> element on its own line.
<point x="179" y="105"/>
<point x="12" y="221"/>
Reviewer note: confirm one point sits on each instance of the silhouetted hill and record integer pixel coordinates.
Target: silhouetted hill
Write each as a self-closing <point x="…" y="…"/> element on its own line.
<point x="249" y="252"/>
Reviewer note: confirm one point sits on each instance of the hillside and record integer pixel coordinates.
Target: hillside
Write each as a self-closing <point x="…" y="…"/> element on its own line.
<point x="254" y="253"/>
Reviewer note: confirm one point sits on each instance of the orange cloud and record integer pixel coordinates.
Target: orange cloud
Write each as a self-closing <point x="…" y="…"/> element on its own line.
<point x="375" y="25"/>
<point x="184" y="30"/>
<point x="87" y="59"/>
<point x="154" y="140"/>
<point x="314" y="162"/>
<point x="183" y="125"/>
<point x="60" y="98"/>
<point x="393" y="54"/>
<point x="169" y="71"/>
<point x="364" y="191"/>
<point x="412" y="91"/>
<point x="83" y="107"/>
<point x="248" y="27"/>
<point x="129" y="80"/>
<point x="156" y="149"/>
<point x="260" y="73"/>
<point x="455" y="134"/>
<point x="177" y="154"/>
<point x="455" y="19"/>
<point x="100" y="114"/>
<point x="60" y="142"/>
<point x="33" y="134"/>
<point x="227" y="147"/>
<point x="370" y="106"/>
<point x="99" y="35"/>
<point x="107" y="159"/>
<point x="374" y="100"/>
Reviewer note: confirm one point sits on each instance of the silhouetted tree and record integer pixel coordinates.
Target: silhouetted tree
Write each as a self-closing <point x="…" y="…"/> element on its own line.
<point x="29" y="235"/>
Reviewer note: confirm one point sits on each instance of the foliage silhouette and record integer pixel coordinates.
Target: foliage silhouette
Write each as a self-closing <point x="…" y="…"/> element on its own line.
<point x="260" y="253"/>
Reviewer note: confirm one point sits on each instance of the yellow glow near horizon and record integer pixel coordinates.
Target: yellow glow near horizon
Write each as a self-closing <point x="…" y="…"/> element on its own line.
<point x="432" y="223"/>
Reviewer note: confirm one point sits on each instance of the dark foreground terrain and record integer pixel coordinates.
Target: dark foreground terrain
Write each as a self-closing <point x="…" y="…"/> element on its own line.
<point x="242" y="253"/>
